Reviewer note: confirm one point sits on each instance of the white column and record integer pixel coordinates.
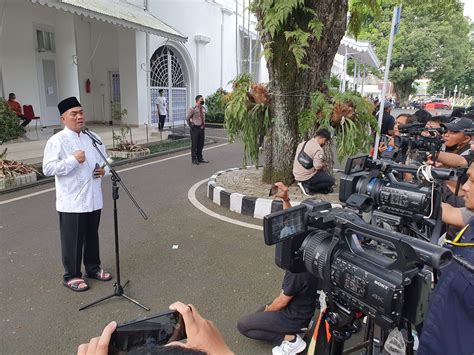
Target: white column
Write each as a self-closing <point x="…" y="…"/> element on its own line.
<point x="200" y="42"/>
<point x="128" y="64"/>
<point x="66" y="56"/>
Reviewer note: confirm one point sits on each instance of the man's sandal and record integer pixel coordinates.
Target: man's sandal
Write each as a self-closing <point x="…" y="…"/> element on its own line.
<point x="75" y="285"/>
<point x="100" y="275"/>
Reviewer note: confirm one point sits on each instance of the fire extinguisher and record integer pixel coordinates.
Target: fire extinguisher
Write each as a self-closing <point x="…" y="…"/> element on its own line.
<point x="88" y="86"/>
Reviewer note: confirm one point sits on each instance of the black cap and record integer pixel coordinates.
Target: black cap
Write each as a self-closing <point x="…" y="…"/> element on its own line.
<point x="67" y="104"/>
<point x="458" y="124"/>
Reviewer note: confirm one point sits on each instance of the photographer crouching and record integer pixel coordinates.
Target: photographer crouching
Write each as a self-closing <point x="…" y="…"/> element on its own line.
<point x="289" y="314"/>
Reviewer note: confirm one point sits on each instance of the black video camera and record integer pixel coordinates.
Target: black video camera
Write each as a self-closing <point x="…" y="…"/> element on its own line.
<point x="327" y="242"/>
<point x="381" y="182"/>
<point x="416" y="138"/>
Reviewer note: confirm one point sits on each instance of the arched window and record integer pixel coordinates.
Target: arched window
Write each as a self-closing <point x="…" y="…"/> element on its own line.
<point x="167" y="73"/>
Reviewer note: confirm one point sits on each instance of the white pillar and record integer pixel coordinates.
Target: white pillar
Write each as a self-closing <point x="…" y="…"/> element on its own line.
<point x="201" y="41"/>
<point x="66" y="56"/>
<point x="133" y="86"/>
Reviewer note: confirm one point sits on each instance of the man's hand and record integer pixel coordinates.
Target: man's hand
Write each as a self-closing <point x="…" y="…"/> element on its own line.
<point x="79" y="155"/>
<point x="202" y="334"/>
<point x="282" y="191"/>
<point x="99" y="172"/>
<point x="98" y="345"/>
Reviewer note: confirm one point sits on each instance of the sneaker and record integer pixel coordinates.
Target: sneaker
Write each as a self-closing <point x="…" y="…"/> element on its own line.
<point x="303" y="189"/>
<point x="289" y="347"/>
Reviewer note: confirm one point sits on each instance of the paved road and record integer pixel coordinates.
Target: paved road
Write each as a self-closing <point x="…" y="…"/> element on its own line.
<point x="224" y="269"/>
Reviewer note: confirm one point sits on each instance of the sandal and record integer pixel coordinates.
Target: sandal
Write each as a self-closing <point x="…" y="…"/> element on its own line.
<point x="100" y="275"/>
<point x="75" y="285"/>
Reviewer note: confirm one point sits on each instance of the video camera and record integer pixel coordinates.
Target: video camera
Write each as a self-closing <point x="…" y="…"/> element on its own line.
<point x="417" y="137"/>
<point x="327" y="242"/>
<point x="377" y="186"/>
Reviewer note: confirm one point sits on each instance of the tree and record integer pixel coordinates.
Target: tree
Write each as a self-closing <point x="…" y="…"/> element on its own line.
<point x="432" y="42"/>
<point x="300" y="40"/>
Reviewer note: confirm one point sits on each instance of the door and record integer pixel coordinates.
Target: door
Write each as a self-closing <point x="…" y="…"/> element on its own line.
<point x="48" y="92"/>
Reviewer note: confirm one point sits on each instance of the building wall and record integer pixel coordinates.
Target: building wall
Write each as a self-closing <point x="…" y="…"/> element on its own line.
<point x="97" y="47"/>
<point x="97" y="52"/>
<point x="205" y="18"/>
<point x="19" y="71"/>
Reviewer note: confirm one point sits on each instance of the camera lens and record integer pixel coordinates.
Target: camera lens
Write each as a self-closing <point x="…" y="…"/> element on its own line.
<point x="315" y="252"/>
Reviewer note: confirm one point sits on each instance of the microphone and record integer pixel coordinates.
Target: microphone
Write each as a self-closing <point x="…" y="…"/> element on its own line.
<point x="91" y="135"/>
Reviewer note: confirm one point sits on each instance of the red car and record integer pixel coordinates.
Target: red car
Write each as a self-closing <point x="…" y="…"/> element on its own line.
<point x="436" y="104"/>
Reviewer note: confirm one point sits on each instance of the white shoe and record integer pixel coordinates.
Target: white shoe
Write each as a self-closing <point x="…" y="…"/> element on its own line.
<point x="290" y="348"/>
<point x="303" y="190"/>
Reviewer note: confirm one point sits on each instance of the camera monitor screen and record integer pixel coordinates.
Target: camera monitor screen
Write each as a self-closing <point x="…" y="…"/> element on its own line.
<point x="147" y="334"/>
<point x="284" y="224"/>
<point x="355" y="165"/>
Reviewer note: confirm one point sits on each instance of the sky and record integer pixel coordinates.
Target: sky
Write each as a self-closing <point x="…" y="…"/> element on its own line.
<point x="469" y="8"/>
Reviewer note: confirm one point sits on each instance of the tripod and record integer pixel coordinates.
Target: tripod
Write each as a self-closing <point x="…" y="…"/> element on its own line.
<point x="343" y="325"/>
<point x="118" y="287"/>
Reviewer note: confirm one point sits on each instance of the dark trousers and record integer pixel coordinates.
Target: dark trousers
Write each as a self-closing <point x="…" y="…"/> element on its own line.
<point x="79" y="231"/>
<point x="320" y="182"/>
<point x="197" y="142"/>
<point x="161" y="122"/>
<point x="268" y="326"/>
<point x="25" y="120"/>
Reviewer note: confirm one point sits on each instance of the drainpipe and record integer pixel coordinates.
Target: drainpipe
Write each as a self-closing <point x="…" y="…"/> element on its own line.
<point x="147" y="66"/>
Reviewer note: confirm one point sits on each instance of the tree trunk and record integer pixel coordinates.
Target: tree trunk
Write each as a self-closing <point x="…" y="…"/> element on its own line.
<point x="290" y="87"/>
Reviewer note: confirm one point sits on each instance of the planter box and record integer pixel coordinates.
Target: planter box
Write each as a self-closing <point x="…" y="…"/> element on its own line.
<point x="128" y="155"/>
<point x="19" y="180"/>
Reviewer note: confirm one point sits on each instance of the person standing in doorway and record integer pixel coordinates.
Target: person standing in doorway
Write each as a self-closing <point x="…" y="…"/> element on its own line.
<point x="162" y="105"/>
<point x="78" y="169"/>
<point x="197" y="121"/>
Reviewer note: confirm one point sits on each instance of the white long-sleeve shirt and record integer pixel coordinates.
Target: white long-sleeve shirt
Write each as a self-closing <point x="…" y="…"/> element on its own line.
<point x="76" y="189"/>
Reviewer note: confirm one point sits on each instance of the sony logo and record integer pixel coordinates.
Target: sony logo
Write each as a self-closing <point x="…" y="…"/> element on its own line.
<point x="378" y="283"/>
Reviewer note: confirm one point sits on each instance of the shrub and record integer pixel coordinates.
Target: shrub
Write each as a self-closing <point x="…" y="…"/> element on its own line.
<point x="10" y="127"/>
<point x="215" y="107"/>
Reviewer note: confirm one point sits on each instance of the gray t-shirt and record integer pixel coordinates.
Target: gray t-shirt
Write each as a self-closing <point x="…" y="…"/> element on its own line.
<point x="466" y="215"/>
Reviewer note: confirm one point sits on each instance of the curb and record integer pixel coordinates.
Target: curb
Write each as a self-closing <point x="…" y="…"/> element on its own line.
<point x="255" y="207"/>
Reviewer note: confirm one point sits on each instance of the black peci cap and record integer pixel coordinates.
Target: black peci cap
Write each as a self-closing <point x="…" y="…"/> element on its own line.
<point x="67" y="104"/>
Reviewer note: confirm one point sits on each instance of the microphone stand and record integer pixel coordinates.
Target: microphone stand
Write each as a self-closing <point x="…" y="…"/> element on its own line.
<point x="118" y="288"/>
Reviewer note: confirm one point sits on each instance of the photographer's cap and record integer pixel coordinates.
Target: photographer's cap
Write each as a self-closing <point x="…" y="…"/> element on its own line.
<point x="458" y="124"/>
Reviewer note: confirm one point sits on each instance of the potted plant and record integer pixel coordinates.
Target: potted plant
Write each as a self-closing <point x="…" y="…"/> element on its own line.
<point x="124" y="148"/>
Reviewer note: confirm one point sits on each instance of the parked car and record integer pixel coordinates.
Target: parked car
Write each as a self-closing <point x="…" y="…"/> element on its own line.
<point x="415" y="104"/>
<point x="438" y="104"/>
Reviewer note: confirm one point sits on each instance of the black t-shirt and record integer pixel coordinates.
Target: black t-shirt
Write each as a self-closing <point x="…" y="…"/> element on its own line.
<point x="388" y="122"/>
<point x="303" y="287"/>
<point x="449" y="323"/>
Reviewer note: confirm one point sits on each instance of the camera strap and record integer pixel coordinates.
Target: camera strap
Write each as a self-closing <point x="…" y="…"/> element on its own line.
<point x="456" y="241"/>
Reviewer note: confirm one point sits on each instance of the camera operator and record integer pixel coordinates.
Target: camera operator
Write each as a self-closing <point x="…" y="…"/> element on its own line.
<point x="202" y="337"/>
<point x="449" y="324"/>
<point x="288" y="314"/>
<point x="312" y="179"/>
<point x="390" y="149"/>
<point x="421" y="116"/>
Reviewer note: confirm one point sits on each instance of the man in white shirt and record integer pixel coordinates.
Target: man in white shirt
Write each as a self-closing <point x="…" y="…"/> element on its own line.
<point x="78" y="168"/>
<point x="162" y="104"/>
<point x="288" y="229"/>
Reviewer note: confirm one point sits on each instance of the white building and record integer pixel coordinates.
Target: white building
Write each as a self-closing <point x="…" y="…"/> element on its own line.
<point x="122" y="51"/>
